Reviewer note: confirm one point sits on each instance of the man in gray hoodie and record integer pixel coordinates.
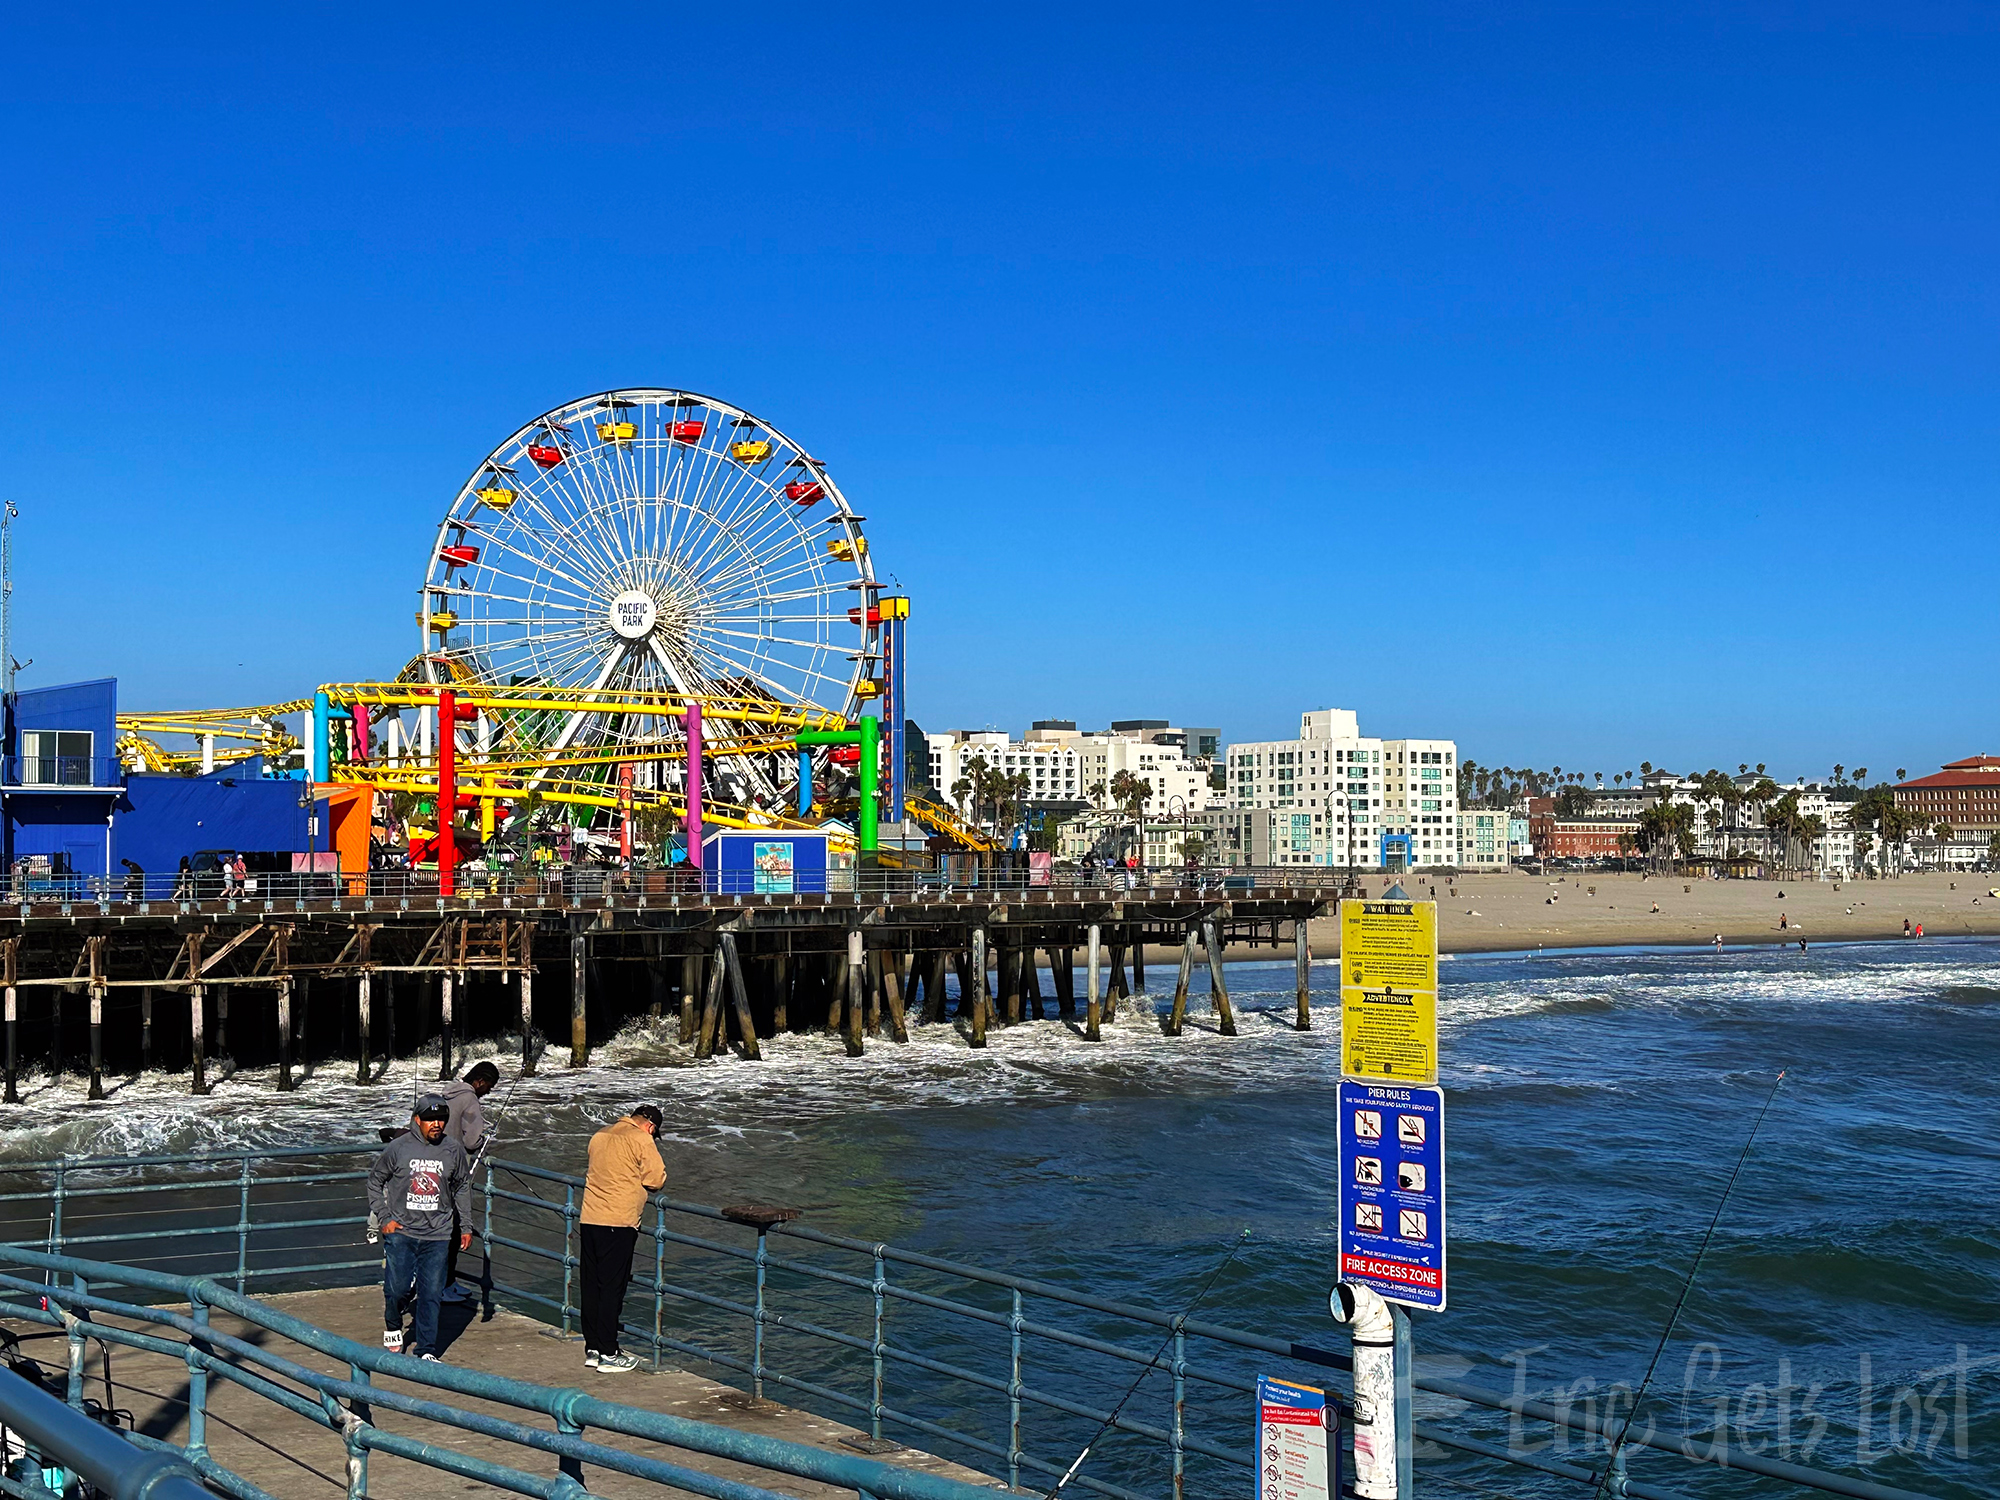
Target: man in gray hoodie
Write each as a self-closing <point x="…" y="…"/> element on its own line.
<point x="467" y="1126"/>
<point x="418" y="1188"/>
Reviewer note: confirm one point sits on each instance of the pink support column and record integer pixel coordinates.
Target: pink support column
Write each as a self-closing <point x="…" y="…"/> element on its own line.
<point x="693" y="722"/>
<point x="447" y="793"/>
<point x="361" y="733"/>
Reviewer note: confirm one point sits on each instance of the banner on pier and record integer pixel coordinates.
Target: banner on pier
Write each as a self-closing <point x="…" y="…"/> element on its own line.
<point x="1388" y="990"/>
<point x="1391" y="1200"/>
<point x="1295" y="1436"/>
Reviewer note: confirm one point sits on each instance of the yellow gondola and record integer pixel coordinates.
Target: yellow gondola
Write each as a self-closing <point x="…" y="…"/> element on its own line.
<point x="750" y="453"/>
<point x="441" y="620"/>
<point x="498" y="497"/>
<point x="868" y="687"/>
<point x="617" y="432"/>
<point x="847" y="551"/>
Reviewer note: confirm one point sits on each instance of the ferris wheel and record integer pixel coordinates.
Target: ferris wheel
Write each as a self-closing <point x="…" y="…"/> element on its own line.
<point x="654" y="541"/>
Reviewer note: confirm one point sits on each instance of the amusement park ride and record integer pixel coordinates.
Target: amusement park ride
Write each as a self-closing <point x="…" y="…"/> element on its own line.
<point x="646" y="598"/>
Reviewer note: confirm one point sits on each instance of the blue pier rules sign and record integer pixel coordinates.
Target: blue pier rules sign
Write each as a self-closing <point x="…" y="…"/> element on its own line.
<point x="1392" y="1190"/>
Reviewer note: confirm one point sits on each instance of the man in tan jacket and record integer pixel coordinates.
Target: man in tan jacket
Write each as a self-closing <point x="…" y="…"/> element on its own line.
<point x="625" y="1166"/>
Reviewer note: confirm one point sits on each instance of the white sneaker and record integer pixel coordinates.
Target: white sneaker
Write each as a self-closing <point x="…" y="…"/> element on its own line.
<point x="392" y="1340"/>
<point x="430" y="1359"/>
<point x="612" y="1364"/>
<point x="591" y="1358"/>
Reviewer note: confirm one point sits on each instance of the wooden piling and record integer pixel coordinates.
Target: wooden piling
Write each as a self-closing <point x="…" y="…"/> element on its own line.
<point x="197" y="1045"/>
<point x="690" y="988"/>
<point x="872" y="981"/>
<point x="579" y="966"/>
<point x="978" y="967"/>
<point x="527" y="979"/>
<point x="892" y="995"/>
<point x="364" y="1006"/>
<point x="1302" y="958"/>
<point x="10" y="975"/>
<point x="1092" y="1004"/>
<point x="445" y="997"/>
<point x="285" y="1035"/>
<point x="711" y="1010"/>
<point x="1218" y="986"/>
<point x="857" y="954"/>
<point x="1178" y="1015"/>
<point x="302" y="1000"/>
<point x="1114" y="989"/>
<point x="740" y="998"/>
<point x="96" y="1041"/>
<point x="1139" y="961"/>
<point x="781" y="991"/>
<point x="1064" y="974"/>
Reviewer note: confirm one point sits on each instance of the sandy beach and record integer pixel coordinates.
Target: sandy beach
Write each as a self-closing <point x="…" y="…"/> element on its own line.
<point x="1491" y="913"/>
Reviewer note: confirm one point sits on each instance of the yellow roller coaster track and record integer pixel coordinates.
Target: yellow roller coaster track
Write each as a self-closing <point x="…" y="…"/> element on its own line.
<point x="940" y="819"/>
<point x="532" y="698"/>
<point x="256" y="729"/>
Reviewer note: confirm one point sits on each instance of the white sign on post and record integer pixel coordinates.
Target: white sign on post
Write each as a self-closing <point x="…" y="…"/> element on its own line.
<point x="1293" y="1441"/>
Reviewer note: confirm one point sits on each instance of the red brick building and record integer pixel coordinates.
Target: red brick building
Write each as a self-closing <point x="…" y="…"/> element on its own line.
<point x="1965" y="794"/>
<point x="1578" y="838"/>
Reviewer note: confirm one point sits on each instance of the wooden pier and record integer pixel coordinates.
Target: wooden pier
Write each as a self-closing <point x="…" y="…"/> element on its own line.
<point x="195" y="983"/>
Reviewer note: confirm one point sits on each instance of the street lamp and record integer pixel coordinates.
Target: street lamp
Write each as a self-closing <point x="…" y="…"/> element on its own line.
<point x="1185" y="835"/>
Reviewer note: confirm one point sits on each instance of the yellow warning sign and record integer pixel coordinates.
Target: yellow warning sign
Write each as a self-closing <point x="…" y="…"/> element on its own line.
<point x="1388" y="990"/>
<point x="1389" y="945"/>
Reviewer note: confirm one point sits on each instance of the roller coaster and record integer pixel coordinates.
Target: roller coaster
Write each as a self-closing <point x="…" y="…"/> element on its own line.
<point x="647" y="606"/>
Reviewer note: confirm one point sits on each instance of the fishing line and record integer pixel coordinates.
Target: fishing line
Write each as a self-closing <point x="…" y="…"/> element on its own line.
<point x="1180" y="1320"/>
<point x="1687" y="1286"/>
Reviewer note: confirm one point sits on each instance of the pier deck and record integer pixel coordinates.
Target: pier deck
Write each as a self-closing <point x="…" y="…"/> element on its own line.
<point x="296" y="1460"/>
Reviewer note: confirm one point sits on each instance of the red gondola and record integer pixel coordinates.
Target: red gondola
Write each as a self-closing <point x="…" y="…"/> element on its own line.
<point x="687" y="432"/>
<point x="845" y="755"/>
<point x="805" y="492"/>
<point x="874" y="615"/>
<point x="459" y="556"/>
<point x="545" y="455"/>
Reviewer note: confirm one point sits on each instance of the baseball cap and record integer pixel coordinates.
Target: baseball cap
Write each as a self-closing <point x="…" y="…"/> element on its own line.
<point x="432" y="1107"/>
<point x="649" y="1114"/>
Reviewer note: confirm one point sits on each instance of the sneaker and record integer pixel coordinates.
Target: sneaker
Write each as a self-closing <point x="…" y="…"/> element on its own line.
<point x="392" y="1340"/>
<point x="430" y="1359"/>
<point x="590" y="1359"/>
<point x="612" y="1364"/>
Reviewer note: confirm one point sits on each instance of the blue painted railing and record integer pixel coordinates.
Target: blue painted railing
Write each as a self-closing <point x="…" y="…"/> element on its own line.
<point x="1010" y="1373"/>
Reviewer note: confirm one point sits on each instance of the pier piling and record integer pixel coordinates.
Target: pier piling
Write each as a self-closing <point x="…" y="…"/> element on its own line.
<point x="285" y="1035"/>
<point x="445" y="997"/>
<point x="579" y="965"/>
<point x="1218" y="986"/>
<point x="197" y="1044"/>
<point x="1302" y="956"/>
<point x="1092" y="1004"/>
<point x="1178" y="1016"/>
<point x="734" y="963"/>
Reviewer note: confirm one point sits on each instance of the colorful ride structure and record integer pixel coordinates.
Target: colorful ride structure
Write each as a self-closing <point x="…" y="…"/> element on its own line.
<point x="644" y="605"/>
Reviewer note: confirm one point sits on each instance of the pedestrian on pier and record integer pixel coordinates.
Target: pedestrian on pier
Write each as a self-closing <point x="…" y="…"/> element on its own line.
<point x="625" y="1166"/>
<point x="466" y="1124"/>
<point x="420" y="1189"/>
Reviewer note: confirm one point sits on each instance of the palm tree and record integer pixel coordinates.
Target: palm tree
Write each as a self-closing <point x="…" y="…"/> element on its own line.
<point x="1901" y="773"/>
<point x="1837" y="769"/>
<point x="1743" y="768"/>
<point x="1941" y="835"/>
<point x="1645" y="768"/>
<point x="1760" y="768"/>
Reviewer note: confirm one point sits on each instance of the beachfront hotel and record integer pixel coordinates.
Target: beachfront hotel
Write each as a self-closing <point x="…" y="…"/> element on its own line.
<point x="1351" y="800"/>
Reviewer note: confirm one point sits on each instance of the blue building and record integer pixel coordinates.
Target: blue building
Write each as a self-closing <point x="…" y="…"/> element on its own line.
<point x="67" y="804"/>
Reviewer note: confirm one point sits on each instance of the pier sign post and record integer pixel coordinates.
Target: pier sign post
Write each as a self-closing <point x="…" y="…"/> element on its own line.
<point x="1388" y="990"/>
<point x="1295" y="1439"/>
<point x="1391" y="1198"/>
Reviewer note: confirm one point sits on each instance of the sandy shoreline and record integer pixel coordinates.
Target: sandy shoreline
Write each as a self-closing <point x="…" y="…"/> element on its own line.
<point x="1512" y="913"/>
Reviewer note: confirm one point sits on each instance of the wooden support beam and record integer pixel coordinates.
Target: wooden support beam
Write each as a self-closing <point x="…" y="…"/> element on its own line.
<point x="364" y="1056"/>
<point x="711" y="1010"/>
<point x="978" y="1038"/>
<point x="527" y="981"/>
<point x="690" y="988"/>
<point x="579" y="968"/>
<point x="445" y="998"/>
<point x="872" y="981"/>
<point x="146" y="1029"/>
<point x="1093" y="1005"/>
<point x="1139" y="961"/>
<point x="892" y="995"/>
<point x="95" y="948"/>
<point x="781" y="992"/>
<point x="1302" y="958"/>
<point x="197" y="1043"/>
<point x="934" y="996"/>
<point x="741" y="999"/>
<point x="285" y="1035"/>
<point x="857" y="964"/>
<point x="1178" y="1016"/>
<point x="10" y="967"/>
<point x="1218" y="986"/>
<point x="1065" y="977"/>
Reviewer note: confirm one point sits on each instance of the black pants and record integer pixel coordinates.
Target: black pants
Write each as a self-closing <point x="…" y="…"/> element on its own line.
<point x="605" y="1253"/>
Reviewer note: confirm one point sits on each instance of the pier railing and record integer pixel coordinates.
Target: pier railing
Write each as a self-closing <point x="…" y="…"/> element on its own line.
<point x="1011" y="1373"/>
<point x="147" y="892"/>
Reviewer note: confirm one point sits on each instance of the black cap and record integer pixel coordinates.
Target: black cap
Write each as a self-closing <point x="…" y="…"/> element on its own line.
<point x="432" y="1107"/>
<point x="649" y="1114"/>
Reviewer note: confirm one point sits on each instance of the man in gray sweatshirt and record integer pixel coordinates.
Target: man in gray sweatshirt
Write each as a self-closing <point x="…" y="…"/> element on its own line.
<point x="467" y="1126"/>
<point x="418" y="1184"/>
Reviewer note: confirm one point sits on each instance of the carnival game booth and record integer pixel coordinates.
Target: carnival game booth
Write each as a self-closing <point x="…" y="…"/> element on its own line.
<point x="764" y="862"/>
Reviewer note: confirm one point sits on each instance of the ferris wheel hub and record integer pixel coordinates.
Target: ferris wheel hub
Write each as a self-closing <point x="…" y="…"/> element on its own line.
<point x="634" y="613"/>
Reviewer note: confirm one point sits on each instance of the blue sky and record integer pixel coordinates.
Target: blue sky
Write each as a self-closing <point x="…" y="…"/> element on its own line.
<point x="1591" y="385"/>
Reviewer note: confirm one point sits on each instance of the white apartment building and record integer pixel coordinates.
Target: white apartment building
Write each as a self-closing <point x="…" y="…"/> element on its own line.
<point x="1374" y="803"/>
<point x="1066" y="767"/>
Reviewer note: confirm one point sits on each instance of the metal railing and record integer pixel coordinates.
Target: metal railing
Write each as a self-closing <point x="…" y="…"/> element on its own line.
<point x="1009" y="1373"/>
<point x="63" y="770"/>
<point x="169" y="892"/>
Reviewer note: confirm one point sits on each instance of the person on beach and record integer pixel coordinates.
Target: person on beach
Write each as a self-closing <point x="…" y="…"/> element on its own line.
<point x="624" y="1167"/>
<point x="419" y="1188"/>
<point x="466" y="1124"/>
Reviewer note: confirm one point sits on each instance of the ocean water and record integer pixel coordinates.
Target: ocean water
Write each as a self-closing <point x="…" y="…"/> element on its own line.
<point x="1846" y="1313"/>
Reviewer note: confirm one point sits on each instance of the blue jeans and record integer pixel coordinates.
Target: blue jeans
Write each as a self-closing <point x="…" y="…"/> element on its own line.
<point x="413" y="1267"/>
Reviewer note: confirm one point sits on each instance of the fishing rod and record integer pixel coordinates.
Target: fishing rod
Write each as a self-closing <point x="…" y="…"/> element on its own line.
<point x="1180" y="1321"/>
<point x="1687" y="1286"/>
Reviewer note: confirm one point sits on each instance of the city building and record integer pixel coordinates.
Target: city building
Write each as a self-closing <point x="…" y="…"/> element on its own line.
<point x="1377" y="804"/>
<point x="1066" y="768"/>
<point x="1557" y="837"/>
<point x="1964" y="794"/>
